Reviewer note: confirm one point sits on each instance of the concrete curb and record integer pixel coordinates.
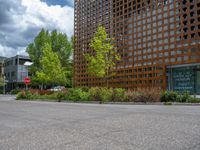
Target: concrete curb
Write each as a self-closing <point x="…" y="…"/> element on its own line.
<point x="116" y="103"/>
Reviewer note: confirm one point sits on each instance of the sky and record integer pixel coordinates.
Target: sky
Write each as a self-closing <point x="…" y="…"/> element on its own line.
<point x="22" y="20"/>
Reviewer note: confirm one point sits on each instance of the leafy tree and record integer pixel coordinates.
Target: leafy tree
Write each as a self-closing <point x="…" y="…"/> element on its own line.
<point x="35" y="49"/>
<point x="60" y="44"/>
<point x="51" y="70"/>
<point x="101" y="63"/>
<point x="1" y="81"/>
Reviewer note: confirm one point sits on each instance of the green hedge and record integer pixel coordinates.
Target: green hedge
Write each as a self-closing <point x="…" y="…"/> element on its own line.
<point x="15" y="91"/>
<point x="102" y="94"/>
<point x="79" y="94"/>
<point x="27" y="95"/>
<point x="172" y="96"/>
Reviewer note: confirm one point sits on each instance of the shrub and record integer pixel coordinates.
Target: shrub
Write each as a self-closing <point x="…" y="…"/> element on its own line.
<point x="185" y="97"/>
<point x="85" y="89"/>
<point x="131" y="96"/>
<point x="170" y="96"/>
<point x="41" y="92"/>
<point x="168" y="103"/>
<point x="24" y="95"/>
<point x="77" y="94"/>
<point x="94" y="94"/>
<point x="21" y="95"/>
<point x="105" y="94"/>
<point x="61" y="96"/>
<point x="85" y="96"/>
<point x="101" y="94"/>
<point x="194" y="100"/>
<point x="119" y="95"/>
<point x="173" y="96"/>
<point x="27" y="95"/>
<point x="15" y="91"/>
<point x="144" y="95"/>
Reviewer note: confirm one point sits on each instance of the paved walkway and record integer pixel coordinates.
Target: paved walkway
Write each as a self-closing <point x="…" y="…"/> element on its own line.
<point x="58" y="126"/>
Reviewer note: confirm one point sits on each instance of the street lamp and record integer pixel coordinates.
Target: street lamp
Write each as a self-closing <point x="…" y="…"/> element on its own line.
<point x="27" y="64"/>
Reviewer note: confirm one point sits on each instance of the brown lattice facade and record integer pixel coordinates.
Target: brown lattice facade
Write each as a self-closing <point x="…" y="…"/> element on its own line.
<point x="150" y="35"/>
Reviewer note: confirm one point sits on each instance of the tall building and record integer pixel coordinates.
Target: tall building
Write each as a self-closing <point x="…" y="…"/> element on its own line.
<point x="15" y="71"/>
<point x="158" y="40"/>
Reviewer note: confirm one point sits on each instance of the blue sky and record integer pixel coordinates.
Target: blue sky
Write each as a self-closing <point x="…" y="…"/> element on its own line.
<point x="60" y="2"/>
<point x="21" y="21"/>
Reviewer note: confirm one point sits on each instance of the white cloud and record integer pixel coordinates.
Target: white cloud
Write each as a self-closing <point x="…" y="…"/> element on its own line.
<point x="27" y="18"/>
<point x="40" y="14"/>
<point x="8" y="51"/>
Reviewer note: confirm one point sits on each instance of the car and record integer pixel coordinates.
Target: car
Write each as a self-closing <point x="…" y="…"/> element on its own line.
<point x="57" y="88"/>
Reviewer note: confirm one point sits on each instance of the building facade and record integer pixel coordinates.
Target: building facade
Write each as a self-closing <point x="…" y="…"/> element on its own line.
<point x="15" y="71"/>
<point x="158" y="40"/>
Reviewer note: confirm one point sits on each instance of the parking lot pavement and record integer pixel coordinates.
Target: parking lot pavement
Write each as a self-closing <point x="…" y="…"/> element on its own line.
<point x="7" y="97"/>
<point x="59" y="126"/>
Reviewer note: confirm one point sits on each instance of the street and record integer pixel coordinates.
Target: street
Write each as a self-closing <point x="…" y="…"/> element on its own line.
<point x="68" y="126"/>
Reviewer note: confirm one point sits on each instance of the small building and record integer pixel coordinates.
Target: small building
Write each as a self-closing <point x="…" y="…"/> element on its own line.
<point x="15" y="71"/>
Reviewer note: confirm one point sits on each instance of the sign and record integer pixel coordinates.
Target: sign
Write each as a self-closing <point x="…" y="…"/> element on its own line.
<point x="27" y="80"/>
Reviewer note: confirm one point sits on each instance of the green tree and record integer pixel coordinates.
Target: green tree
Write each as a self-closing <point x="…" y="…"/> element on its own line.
<point x="60" y="44"/>
<point x="35" y="49"/>
<point x="51" y="70"/>
<point x="1" y="81"/>
<point x="101" y="63"/>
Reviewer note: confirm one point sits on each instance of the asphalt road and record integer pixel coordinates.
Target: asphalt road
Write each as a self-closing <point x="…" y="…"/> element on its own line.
<point x="58" y="126"/>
